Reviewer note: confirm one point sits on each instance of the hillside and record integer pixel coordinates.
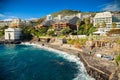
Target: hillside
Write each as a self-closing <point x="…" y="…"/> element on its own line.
<point x="65" y="12"/>
<point x="72" y="12"/>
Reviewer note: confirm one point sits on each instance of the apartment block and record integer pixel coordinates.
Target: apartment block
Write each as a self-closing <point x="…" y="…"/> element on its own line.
<point x="108" y="18"/>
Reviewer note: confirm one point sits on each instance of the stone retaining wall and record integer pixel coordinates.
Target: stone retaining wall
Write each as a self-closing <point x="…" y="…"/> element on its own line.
<point x="96" y="73"/>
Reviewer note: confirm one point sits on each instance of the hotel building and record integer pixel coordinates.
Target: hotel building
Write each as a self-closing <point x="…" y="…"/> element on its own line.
<point x="108" y="18"/>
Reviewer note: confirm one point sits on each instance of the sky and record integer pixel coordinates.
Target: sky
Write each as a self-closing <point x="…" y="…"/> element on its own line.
<point x="30" y="9"/>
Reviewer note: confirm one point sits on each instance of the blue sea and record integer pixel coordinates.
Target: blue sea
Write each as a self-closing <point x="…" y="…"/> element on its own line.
<point x="27" y="62"/>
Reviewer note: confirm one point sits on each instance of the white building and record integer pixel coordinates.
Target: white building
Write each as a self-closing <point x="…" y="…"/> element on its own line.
<point x="15" y="22"/>
<point x="108" y="18"/>
<point x="12" y="34"/>
<point x="4" y="23"/>
<point x="59" y="17"/>
<point x="103" y="17"/>
<point x="49" y="17"/>
<point x="79" y="15"/>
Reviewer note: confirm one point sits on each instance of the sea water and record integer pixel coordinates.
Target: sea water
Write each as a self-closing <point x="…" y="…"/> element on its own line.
<point x="30" y="62"/>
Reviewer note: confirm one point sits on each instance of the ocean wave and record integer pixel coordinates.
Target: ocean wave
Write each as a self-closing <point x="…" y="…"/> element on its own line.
<point x="81" y="75"/>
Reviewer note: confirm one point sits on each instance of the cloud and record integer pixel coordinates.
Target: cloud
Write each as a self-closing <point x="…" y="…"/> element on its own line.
<point x="6" y="18"/>
<point x="32" y="18"/>
<point x="9" y="19"/>
<point x="12" y="17"/>
<point x="1" y="15"/>
<point x="112" y="6"/>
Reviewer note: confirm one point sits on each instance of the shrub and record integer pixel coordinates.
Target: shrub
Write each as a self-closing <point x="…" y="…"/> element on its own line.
<point x="70" y="41"/>
<point x="77" y="44"/>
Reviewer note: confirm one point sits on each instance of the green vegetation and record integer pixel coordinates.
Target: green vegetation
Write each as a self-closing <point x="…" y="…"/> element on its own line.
<point x="83" y="30"/>
<point x="66" y="12"/>
<point x="71" y="12"/>
<point x="117" y="60"/>
<point x="2" y="29"/>
<point x="40" y="20"/>
<point x="114" y="25"/>
<point x="97" y="25"/>
<point x="118" y="41"/>
<point x="114" y="31"/>
<point x="51" y="32"/>
<point x="27" y="32"/>
<point x="78" y="42"/>
<point x="82" y="41"/>
<point x="1" y="33"/>
<point x="30" y="32"/>
<point x="70" y="41"/>
<point x="66" y="31"/>
<point x="103" y="24"/>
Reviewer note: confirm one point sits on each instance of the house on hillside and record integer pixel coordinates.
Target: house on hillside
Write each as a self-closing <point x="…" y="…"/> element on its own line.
<point x="12" y="34"/>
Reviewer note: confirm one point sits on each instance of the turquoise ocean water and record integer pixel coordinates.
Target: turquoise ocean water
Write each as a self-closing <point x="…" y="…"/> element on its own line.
<point x="25" y="62"/>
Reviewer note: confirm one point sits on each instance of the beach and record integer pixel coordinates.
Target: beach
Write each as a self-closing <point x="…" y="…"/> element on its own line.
<point x="98" y="68"/>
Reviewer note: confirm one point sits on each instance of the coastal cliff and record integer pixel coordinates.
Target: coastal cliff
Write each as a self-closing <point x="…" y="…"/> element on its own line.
<point x="96" y="73"/>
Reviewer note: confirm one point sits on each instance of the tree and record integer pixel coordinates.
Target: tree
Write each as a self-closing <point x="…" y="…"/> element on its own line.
<point x="66" y="31"/>
<point x="51" y="32"/>
<point x="114" y="25"/>
<point x="26" y="31"/>
<point x="103" y="24"/>
<point x="78" y="23"/>
<point x="41" y="31"/>
<point x="97" y="25"/>
<point x="87" y="23"/>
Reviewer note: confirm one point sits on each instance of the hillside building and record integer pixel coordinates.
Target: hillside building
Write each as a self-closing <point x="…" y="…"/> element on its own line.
<point x="12" y="34"/>
<point x="15" y="22"/>
<point x="49" y="17"/>
<point x="5" y="23"/>
<point x="108" y="18"/>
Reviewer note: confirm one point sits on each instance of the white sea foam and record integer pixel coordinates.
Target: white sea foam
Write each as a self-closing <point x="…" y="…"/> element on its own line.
<point x="82" y="74"/>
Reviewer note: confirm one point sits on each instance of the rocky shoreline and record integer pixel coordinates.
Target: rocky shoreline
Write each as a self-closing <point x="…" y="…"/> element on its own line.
<point x="96" y="72"/>
<point x="99" y="73"/>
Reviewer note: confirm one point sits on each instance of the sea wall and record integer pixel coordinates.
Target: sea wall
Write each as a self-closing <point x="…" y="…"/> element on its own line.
<point x="96" y="73"/>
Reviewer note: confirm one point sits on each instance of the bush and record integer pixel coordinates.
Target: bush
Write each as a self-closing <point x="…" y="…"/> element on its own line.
<point x="70" y="41"/>
<point x="82" y="41"/>
<point x="50" y="32"/>
<point x="77" y="44"/>
<point x="1" y="33"/>
<point x="118" y="41"/>
<point x="117" y="60"/>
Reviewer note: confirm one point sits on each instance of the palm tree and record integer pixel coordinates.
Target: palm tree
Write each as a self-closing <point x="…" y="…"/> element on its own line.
<point x="97" y="25"/>
<point x="87" y="22"/>
<point x="78" y="23"/>
<point x="103" y="24"/>
<point x="114" y="25"/>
